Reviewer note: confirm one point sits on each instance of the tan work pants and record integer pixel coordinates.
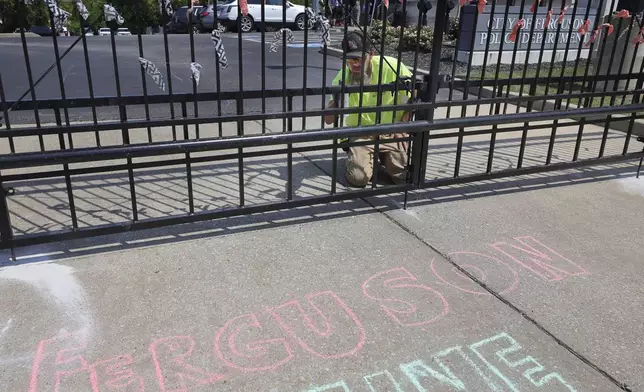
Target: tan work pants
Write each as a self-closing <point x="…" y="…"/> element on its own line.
<point x="360" y="161"/>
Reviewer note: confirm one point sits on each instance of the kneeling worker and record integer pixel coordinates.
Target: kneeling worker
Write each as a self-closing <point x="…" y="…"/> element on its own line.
<point x="391" y="153"/>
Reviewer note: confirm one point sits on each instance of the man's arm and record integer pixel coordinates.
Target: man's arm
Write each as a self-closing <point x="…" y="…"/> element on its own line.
<point x="333" y="104"/>
<point x="404" y="95"/>
<point x="406" y="116"/>
<point x="330" y="118"/>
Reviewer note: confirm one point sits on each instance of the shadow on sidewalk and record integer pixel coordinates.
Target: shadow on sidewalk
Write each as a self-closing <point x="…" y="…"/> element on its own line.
<point x="277" y="219"/>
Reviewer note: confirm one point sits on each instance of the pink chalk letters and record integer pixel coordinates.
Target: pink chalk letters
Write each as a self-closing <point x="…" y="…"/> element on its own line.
<point x="236" y="350"/>
<point x="388" y="287"/>
<point x="318" y="324"/>
<point x="115" y="375"/>
<point x="538" y="258"/>
<point x="337" y="319"/>
<point x="173" y="373"/>
<point x="485" y="268"/>
<point x="57" y="358"/>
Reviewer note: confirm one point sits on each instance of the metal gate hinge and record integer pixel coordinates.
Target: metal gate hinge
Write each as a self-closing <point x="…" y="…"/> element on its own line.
<point x="8" y="191"/>
<point x="444" y="79"/>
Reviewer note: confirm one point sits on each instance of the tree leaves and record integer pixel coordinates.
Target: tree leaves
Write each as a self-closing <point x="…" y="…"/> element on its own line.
<point x="38" y="15"/>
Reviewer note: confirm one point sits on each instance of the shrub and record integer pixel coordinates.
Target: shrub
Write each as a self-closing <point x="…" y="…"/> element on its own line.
<point x="452" y="28"/>
<point x="391" y="33"/>
<point x="410" y="37"/>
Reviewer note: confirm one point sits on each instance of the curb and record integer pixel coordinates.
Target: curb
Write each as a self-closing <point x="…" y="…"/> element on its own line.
<point x="17" y="35"/>
<point x="341" y="29"/>
<point x="333" y="52"/>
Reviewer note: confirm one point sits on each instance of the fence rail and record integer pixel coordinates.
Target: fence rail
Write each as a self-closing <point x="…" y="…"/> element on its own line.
<point x="511" y="108"/>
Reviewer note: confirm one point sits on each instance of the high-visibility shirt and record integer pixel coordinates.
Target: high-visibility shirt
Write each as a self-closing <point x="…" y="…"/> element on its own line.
<point x="389" y="65"/>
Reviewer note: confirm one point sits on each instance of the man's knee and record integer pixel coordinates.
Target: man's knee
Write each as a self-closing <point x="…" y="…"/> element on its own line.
<point x="359" y="166"/>
<point x="358" y="175"/>
<point x="396" y="165"/>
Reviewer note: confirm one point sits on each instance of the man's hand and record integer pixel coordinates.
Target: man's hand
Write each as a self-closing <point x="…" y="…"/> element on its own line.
<point x="403" y="145"/>
<point x="406" y="117"/>
<point x="330" y="118"/>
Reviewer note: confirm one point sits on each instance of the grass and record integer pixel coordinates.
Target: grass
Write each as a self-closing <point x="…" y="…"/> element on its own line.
<point x="551" y="88"/>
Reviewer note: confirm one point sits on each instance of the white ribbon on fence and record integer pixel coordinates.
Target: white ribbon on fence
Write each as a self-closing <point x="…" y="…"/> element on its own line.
<point x="324" y="28"/>
<point x="112" y="14"/>
<point x="196" y="72"/>
<point x="167" y="5"/>
<point x="279" y="36"/>
<point x="219" y="48"/>
<point x="82" y="10"/>
<point x="153" y="71"/>
<point x="60" y="15"/>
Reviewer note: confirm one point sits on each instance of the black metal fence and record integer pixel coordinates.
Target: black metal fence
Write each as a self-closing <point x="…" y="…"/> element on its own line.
<point x="521" y="90"/>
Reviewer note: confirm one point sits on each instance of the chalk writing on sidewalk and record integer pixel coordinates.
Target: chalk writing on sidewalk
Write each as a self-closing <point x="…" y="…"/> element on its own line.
<point x="456" y="369"/>
<point x="538" y="258"/>
<point x="169" y="356"/>
<point x="498" y="270"/>
<point x="396" y="284"/>
<point x="322" y="326"/>
<point x="328" y="342"/>
<point x="506" y="345"/>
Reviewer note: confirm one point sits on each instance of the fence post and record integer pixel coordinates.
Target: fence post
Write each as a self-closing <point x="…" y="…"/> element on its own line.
<point x="6" y="232"/>
<point x="638" y="86"/>
<point x="432" y="83"/>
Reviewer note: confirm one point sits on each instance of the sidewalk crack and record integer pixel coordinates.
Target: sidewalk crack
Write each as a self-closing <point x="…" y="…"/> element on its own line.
<point x="623" y="386"/>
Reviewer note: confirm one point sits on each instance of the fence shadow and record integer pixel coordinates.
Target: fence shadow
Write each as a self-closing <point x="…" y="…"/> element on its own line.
<point x="283" y="218"/>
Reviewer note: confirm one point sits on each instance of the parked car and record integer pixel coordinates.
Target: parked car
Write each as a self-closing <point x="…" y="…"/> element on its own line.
<point x="273" y="12"/>
<point x="123" y="31"/>
<point x="207" y="16"/>
<point x="103" y="31"/>
<point x="42" y="31"/>
<point x="179" y="23"/>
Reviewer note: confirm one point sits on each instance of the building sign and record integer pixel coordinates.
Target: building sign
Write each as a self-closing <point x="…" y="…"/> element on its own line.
<point x="489" y="29"/>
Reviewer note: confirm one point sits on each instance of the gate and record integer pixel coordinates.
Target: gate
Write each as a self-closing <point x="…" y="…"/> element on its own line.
<point x="152" y="138"/>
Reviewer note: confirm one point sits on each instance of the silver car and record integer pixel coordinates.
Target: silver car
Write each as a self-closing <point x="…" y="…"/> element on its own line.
<point x="207" y="18"/>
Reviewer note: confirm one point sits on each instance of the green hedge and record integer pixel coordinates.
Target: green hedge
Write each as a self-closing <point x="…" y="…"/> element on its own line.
<point x="453" y="27"/>
<point x="411" y="39"/>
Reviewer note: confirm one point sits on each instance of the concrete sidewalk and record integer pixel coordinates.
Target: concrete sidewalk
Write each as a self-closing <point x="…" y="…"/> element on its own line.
<point x="517" y="285"/>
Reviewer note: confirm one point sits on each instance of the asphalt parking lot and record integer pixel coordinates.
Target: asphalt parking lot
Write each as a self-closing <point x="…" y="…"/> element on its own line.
<point x="74" y="74"/>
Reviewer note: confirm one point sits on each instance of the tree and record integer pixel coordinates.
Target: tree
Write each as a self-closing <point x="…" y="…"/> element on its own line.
<point x="7" y="16"/>
<point x="95" y="20"/>
<point x="138" y="14"/>
<point x="36" y="15"/>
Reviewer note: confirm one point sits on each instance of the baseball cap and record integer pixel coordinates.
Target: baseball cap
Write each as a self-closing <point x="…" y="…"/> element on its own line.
<point x="352" y="45"/>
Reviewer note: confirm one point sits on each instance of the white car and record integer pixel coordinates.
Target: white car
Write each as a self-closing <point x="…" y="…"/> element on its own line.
<point x="273" y="15"/>
<point x="106" y="31"/>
